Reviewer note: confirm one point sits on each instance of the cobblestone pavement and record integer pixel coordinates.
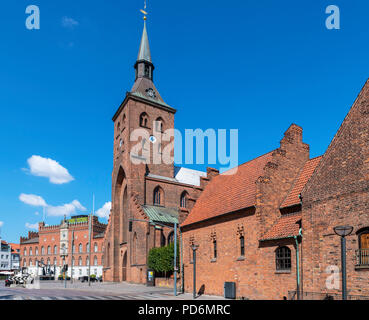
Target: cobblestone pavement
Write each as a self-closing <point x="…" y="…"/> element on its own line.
<point x="54" y="290"/>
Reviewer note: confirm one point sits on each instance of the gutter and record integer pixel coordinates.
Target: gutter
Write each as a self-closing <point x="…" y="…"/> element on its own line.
<point x="298" y="264"/>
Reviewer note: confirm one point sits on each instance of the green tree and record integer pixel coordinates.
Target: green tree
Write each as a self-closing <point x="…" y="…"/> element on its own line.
<point x="161" y="259"/>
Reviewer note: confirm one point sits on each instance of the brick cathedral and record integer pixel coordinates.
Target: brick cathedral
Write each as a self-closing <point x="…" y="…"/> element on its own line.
<point x="268" y="228"/>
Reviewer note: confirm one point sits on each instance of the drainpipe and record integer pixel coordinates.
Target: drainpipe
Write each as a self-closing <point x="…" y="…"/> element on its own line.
<point x="298" y="264"/>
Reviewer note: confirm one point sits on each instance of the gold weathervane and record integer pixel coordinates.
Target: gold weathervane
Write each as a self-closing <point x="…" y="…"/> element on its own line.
<point x="144" y="11"/>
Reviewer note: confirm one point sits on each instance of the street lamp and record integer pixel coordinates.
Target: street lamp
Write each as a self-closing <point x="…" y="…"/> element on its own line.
<point x="194" y="248"/>
<point x="343" y="232"/>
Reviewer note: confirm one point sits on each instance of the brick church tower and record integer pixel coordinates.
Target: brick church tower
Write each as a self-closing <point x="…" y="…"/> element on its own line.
<point x="143" y="186"/>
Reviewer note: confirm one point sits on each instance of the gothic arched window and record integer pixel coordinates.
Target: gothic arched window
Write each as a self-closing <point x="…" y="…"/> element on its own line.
<point x="144" y="120"/>
<point x="283" y="259"/>
<point x="80" y="261"/>
<point x="159" y="122"/>
<point x="55" y="250"/>
<point x="242" y="246"/>
<point x="95" y="247"/>
<point x="171" y="237"/>
<point x="134" y="247"/>
<point x="80" y="249"/>
<point x="95" y="261"/>
<point x="184" y="197"/>
<point x="48" y="250"/>
<point x="158" y="196"/>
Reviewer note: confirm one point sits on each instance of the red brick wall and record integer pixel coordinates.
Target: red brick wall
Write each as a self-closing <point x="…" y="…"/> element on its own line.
<point x="338" y="194"/>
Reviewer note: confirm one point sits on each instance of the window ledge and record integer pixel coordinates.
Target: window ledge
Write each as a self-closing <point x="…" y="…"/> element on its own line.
<point x="283" y="272"/>
<point x="362" y="267"/>
<point x="213" y="260"/>
<point x="242" y="258"/>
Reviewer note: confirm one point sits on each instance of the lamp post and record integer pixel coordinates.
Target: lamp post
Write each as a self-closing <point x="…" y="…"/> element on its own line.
<point x="194" y="248"/>
<point x="343" y="232"/>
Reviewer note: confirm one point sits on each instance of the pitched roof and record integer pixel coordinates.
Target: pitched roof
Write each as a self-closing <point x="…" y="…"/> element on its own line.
<point x="228" y="192"/>
<point x="285" y="227"/>
<point x="305" y="174"/>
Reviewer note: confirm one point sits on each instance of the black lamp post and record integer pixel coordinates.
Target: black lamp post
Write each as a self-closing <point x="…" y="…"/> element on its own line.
<point x="343" y="232"/>
<point x="194" y="248"/>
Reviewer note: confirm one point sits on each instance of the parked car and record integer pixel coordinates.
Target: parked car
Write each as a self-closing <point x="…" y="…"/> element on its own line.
<point x="85" y="279"/>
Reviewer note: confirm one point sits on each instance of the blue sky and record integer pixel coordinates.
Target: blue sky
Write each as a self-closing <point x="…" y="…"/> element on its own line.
<point x="256" y="66"/>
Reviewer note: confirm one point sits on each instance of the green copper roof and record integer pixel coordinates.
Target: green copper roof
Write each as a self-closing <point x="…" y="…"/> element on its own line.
<point x="144" y="53"/>
<point x="161" y="214"/>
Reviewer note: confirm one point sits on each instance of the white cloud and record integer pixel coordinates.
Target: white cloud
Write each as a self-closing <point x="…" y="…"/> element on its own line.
<point x="52" y="211"/>
<point x="104" y="212"/>
<point x="49" y="168"/>
<point x="69" y="23"/>
<point x="32" y="200"/>
<point x="32" y="226"/>
<point x="1" y="224"/>
<point x="66" y="209"/>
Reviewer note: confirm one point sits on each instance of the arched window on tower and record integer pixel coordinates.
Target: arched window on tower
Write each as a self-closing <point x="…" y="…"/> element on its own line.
<point x="144" y="120"/>
<point x="184" y="197"/>
<point x="158" y="197"/>
<point x="159" y="125"/>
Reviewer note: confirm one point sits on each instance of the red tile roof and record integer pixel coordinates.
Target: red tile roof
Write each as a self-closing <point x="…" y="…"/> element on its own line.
<point x="305" y="174"/>
<point x="285" y="227"/>
<point x="229" y="192"/>
<point x="14" y="246"/>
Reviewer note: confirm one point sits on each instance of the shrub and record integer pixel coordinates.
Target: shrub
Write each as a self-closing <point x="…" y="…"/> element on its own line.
<point x="93" y="276"/>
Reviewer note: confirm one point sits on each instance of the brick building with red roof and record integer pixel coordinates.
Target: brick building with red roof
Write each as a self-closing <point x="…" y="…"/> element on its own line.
<point x="268" y="225"/>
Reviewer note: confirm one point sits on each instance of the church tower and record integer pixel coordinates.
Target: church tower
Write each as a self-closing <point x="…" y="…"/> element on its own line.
<point x="145" y="112"/>
<point x="147" y="189"/>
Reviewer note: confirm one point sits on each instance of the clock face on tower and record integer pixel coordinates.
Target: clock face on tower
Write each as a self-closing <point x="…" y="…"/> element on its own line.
<point x="150" y="93"/>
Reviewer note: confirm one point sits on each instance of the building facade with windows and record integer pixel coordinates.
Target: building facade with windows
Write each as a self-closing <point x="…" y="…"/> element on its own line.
<point x="52" y="247"/>
<point x="5" y="256"/>
<point x="15" y="256"/>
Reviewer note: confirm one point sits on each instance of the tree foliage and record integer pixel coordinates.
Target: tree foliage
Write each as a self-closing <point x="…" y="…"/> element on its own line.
<point x="162" y="259"/>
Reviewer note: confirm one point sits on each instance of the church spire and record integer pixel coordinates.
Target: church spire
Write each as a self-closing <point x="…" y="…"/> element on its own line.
<point x="144" y="67"/>
<point x="144" y="53"/>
